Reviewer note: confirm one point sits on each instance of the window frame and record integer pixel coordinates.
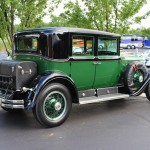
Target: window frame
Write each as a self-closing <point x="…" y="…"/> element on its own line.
<point x="83" y="36"/>
<point x="111" y="38"/>
<point x="35" y="35"/>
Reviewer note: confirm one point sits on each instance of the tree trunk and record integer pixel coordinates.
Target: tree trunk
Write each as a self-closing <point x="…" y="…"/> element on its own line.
<point x="5" y="45"/>
<point x="12" y="27"/>
<point x="116" y="18"/>
<point x="107" y="22"/>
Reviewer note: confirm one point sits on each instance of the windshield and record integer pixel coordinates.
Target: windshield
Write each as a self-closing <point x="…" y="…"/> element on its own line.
<point x="27" y="43"/>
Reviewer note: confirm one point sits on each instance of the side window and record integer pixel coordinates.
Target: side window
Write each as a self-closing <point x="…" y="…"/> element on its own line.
<point x="107" y="46"/>
<point x="82" y="46"/>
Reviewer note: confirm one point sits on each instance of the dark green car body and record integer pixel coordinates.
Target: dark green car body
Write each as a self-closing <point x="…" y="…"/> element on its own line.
<point x="86" y="63"/>
<point x="87" y="71"/>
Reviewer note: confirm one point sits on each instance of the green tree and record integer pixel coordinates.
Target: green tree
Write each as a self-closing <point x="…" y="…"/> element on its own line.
<point x="7" y="18"/>
<point x="75" y="16"/>
<point x="29" y="12"/>
<point x="107" y="15"/>
<point x="57" y="21"/>
<point x="141" y="31"/>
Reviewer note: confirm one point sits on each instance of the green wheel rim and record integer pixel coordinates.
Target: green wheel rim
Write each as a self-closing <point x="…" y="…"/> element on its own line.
<point x="54" y="106"/>
<point x="138" y="78"/>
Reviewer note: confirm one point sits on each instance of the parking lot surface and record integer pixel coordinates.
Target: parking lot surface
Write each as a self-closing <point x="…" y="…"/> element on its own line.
<point x="113" y="125"/>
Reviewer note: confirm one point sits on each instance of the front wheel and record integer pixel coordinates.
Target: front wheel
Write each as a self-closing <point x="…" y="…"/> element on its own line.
<point x="53" y="105"/>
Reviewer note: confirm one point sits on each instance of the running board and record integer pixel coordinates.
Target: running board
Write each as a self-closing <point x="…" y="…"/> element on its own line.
<point x="94" y="99"/>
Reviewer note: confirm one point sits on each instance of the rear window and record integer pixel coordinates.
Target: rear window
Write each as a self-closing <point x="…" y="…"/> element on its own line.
<point x="27" y="43"/>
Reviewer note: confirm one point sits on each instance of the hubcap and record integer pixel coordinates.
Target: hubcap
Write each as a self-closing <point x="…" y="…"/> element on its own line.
<point x="58" y="106"/>
<point x="138" y="78"/>
<point x="54" y="105"/>
<point x="141" y="79"/>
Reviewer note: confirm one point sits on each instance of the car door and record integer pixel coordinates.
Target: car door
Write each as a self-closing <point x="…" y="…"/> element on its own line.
<point x="82" y="68"/>
<point x="108" y="63"/>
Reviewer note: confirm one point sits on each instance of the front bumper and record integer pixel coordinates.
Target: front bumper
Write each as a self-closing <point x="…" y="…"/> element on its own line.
<point x="12" y="104"/>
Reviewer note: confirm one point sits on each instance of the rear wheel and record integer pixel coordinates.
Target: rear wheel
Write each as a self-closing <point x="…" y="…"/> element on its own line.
<point x="133" y="47"/>
<point x="53" y="105"/>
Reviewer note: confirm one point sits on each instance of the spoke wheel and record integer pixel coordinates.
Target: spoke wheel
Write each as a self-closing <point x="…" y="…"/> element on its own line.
<point x="53" y="105"/>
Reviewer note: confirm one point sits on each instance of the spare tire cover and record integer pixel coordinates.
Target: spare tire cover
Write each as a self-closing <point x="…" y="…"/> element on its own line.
<point x="134" y="76"/>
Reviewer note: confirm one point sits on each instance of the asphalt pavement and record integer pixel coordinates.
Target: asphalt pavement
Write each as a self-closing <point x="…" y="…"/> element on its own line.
<point x="113" y="125"/>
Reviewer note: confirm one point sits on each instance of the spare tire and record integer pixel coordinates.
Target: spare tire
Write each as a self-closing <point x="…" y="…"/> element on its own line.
<point x="134" y="76"/>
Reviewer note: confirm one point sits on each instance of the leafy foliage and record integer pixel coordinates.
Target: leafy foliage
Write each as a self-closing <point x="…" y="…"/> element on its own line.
<point x="107" y="15"/>
<point x="7" y="17"/>
<point x="141" y="31"/>
<point x="75" y="16"/>
<point x="29" y="12"/>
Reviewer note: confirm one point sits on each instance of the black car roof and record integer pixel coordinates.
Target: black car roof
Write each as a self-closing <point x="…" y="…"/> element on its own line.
<point x="67" y="29"/>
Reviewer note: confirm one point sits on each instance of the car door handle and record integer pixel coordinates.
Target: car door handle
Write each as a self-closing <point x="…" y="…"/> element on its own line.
<point x="96" y="63"/>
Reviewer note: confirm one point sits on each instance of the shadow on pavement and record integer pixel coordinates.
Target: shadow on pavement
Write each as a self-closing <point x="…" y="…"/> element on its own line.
<point x="18" y="119"/>
<point x="79" y="114"/>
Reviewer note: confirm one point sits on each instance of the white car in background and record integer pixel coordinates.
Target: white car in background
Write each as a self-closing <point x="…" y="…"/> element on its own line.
<point x="77" y="50"/>
<point x="131" y="45"/>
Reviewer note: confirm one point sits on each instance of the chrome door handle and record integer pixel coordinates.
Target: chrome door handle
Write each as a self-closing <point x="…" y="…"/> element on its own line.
<point x="99" y="63"/>
<point x="96" y="63"/>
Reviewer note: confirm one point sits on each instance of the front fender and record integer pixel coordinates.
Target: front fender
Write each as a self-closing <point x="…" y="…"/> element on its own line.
<point x="49" y="78"/>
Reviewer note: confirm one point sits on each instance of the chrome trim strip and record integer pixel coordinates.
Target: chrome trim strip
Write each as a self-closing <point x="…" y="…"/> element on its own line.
<point x="12" y="106"/>
<point x="12" y="101"/>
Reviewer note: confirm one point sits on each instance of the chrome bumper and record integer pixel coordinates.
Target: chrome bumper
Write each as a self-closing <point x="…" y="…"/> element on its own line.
<point x="12" y="104"/>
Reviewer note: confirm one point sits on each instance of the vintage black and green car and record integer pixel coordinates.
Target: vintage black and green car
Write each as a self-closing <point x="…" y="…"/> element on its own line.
<point x="51" y="68"/>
